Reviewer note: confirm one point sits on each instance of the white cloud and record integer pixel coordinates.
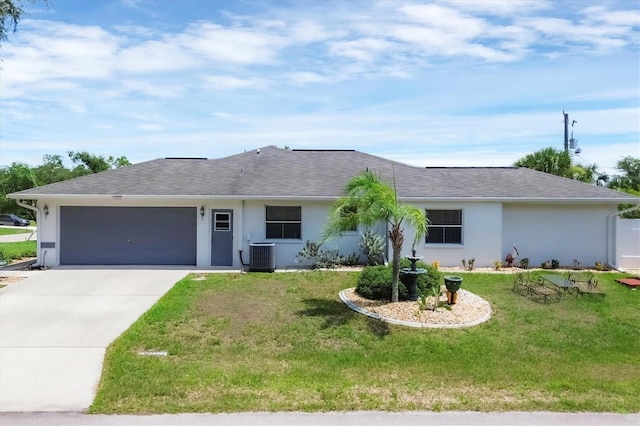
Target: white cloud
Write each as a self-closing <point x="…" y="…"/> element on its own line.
<point x="501" y="8"/>
<point x="627" y="18"/>
<point x="231" y="45"/>
<point x="227" y="82"/>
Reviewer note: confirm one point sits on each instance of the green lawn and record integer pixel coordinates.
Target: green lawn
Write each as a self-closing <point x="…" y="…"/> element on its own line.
<point x="282" y="342"/>
<point x="18" y="250"/>
<point x="16" y="230"/>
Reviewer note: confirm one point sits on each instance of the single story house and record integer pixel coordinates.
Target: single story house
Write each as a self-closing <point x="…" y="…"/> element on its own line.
<point x="216" y="213"/>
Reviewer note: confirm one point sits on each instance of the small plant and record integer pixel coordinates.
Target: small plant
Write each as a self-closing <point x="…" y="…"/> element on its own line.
<point x="524" y="263"/>
<point x="555" y="263"/>
<point x="599" y="266"/>
<point x="436" y="264"/>
<point x="321" y="258"/>
<point x="431" y="292"/>
<point x="497" y="265"/>
<point x="468" y="264"/>
<point x="3" y="258"/>
<point x="546" y="265"/>
<point x="576" y="264"/>
<point x="372" y="246"/>
<point x="351" y="260"/>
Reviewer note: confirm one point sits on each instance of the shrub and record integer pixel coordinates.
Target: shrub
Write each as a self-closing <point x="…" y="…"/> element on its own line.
<point x="372" y="246"/>
<point x="321" y="258"/>
<point x="374" y="282"/>
<point x="351" y="260"/>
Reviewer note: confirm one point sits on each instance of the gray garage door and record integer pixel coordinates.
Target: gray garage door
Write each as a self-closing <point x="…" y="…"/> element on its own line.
<point x="128" y="235"/>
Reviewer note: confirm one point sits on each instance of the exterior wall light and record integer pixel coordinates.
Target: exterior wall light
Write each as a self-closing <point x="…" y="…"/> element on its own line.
<point x="201" y="212"/>
<point x="46" y="211"/>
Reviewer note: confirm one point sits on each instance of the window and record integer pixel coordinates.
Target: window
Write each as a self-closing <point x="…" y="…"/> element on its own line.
<point x="445" y="227"/>
<point x="284" y="222"/>
<point x="222" y="222"/>
<point x="351" y="211"/>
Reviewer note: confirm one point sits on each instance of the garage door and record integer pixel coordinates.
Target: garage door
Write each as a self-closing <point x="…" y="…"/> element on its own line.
<point x="128" y="235"/>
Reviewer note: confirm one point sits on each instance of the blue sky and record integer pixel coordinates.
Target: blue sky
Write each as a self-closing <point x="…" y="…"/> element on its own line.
<point x="428" y="83"/>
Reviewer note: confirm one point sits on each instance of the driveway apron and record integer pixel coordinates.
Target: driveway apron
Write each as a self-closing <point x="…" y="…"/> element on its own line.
<point x="55" y="327"/>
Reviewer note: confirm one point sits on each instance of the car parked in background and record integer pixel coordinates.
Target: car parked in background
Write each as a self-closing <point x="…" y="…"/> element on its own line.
<point x="12" y="219"/>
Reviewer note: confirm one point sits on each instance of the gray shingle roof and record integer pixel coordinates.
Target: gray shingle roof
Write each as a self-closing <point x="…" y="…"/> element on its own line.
<point x="279" y="173"/>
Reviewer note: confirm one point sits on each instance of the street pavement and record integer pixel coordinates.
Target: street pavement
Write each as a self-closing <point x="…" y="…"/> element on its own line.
<point x="355" y="418"/>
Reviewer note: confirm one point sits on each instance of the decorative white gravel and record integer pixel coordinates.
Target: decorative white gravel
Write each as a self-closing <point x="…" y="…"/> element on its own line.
<point x="469" y="310"/>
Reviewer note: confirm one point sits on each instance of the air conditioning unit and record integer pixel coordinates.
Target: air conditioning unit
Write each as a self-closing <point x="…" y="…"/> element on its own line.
<point x="262" y="257"/>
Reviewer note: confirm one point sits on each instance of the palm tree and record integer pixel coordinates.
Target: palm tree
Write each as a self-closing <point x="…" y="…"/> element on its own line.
<point x="548" y="160"/>
<point x="369" y="201"/>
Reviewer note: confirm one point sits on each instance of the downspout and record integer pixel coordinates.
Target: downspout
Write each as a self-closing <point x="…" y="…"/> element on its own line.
<point x="241" y="237"/>
<point x="21" y="203"/>
<point x="612" y="232"/>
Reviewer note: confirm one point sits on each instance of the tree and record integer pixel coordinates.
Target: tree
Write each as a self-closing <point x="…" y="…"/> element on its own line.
<point x="89" y="163"/>
<point x="19" y="176"/>
<point x="628" y="181"/>
<point x="10" y="13"/>
<point x="369" y="201"/>
<point x="52" y="170"/>
<point x="16" y="177"/>
<point x="588" y="174"/>
<point x="548" y="160"/>
<point x="558" y="162"/>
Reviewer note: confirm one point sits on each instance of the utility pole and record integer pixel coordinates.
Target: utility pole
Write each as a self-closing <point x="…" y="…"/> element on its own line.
<point x="566" y="131"/>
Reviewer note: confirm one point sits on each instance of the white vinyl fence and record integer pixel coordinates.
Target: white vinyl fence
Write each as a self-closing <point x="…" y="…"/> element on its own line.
<point x="628" y="243"/>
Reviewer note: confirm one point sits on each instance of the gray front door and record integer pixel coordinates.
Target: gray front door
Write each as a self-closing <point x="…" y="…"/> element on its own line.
<point x="222" y="238"/>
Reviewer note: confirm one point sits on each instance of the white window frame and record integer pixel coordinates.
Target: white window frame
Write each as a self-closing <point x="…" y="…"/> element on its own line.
<point x="283" y="223"/>
<point x="445" y="226"/>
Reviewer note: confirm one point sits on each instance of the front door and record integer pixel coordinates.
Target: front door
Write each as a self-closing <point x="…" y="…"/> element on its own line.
<point x="222" y="238"/>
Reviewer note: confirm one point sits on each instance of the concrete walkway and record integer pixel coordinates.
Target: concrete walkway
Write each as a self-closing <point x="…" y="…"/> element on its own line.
<point x="55" y="326"/>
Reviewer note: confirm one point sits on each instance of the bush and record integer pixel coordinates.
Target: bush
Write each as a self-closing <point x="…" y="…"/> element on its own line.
<point x="321" y="258"/>
<point x="374" y="282"/>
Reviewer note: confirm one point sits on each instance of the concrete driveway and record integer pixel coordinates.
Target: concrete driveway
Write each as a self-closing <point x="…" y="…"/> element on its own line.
<point x="55" y="327"/>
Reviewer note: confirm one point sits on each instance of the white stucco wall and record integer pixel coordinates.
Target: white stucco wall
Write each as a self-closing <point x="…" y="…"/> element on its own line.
<point x="314" y="217"/>
<point x="628" y="243"/>
<point x="562" y="232"/>
<point x="481" y="236"/>
<point x="541" y="232"/>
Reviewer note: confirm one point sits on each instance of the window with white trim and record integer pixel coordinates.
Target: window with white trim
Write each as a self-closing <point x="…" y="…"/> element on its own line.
<point x="284" y="222"/>
<point x="445" y="226"/>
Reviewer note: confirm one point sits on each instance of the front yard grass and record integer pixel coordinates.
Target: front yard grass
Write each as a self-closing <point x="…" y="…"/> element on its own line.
<point x="16" y="230"/>
<point x="18" y="250"/>
<point x="285" y="342"/>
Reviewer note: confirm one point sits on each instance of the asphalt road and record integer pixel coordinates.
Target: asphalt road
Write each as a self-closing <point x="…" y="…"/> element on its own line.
<point x="357" y="418"/>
